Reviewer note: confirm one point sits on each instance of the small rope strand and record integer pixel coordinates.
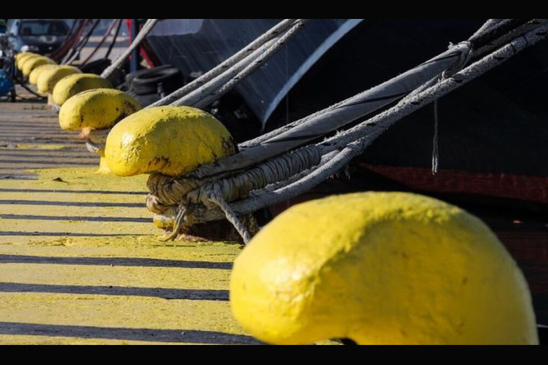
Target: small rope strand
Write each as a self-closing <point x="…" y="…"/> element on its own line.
<point x="435" y="142"/>
<point x="181" y="213"/>
<point x="217" y="199"/>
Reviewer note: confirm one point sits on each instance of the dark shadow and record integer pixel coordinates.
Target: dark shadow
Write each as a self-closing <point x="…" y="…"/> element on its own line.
<point x="113" y="261"/>
<point x="56" y="163"/>
<point x="186" y="294"/>
<point x="66" y="234"/>
<point x="2" y="190"/>
<point x="64" y="154"/>
<point x="75" y="218"/>
<point x="72" y="204"/>
<point x="18" y="177"/>
<point x="127" y="334"/>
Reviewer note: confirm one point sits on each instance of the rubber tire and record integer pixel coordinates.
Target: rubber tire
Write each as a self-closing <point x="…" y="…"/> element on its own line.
<point x="131" y="76"/>
<point x="96" y="67"/>
<point x="145" y="100"/>
<point x="147" y="82"/>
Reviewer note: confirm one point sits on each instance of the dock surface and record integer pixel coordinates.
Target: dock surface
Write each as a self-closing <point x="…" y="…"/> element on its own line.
<point x="80" y="262"/>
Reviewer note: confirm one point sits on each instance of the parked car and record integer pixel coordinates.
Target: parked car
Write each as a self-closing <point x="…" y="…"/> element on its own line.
<point x="37" y="35"/>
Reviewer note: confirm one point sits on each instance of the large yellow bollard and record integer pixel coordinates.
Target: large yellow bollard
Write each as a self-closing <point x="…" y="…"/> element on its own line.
<point x="75" y="84"/>
<point x="35" y="73"/>
<point x="96" y="109"/>
<point x="35" y="62"/>
<point x="21" y="59"/>
<point x="380" y="268"/>
<point x="170" y="140"/>
<point x="49" y="78"/>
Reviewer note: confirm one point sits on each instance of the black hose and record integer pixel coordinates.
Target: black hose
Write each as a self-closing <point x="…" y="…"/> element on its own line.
<point x="114" y="39"/>
<point x="20" y="82"/>
<point x="100" y="44"/>
<point x="83" y="42"/>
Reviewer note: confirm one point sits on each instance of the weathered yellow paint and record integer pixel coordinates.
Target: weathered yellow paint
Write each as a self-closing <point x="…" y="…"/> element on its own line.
<point x="96" y="109"/>
<point x="76" y="83"/>
<point x="33" y="77"/>
<point x="24" y="57"/>
<point x="168" y="139"/>
<point x="38" y="146"/>
<point x="80" y="288"/>
<point x="21" y="55"/>
<point x="49" y="78"/>
<point x="32" y="63"/>
<point x="381" y="268"/>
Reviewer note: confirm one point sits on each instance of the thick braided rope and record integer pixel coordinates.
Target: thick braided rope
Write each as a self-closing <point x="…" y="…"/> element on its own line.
<point x="278" y="169"/>
<point x="166" y="192"/>
<point x="337" y="116"/>
<point x="504" y="39"/>
<point x="486" y="28"/>
<point x="225" y="65"/>
<point x="108" y="72"/>
<point x="361" y="136"/>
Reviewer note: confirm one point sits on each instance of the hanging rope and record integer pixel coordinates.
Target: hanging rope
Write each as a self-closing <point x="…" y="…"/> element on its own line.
<point x="435" y="141"/>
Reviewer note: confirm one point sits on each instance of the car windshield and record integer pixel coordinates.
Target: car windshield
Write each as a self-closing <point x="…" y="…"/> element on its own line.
<point x="43" y="27"/>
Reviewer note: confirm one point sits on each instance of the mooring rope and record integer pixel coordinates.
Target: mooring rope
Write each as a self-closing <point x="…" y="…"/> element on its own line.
<point x="228" y="63"/>
<point x="353" y="141"/>
<point x="147" y="27"/>
<point x="249" y="69"/>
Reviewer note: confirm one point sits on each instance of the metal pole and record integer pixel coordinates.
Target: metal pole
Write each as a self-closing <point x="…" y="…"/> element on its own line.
<point x="134" y="64"/>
